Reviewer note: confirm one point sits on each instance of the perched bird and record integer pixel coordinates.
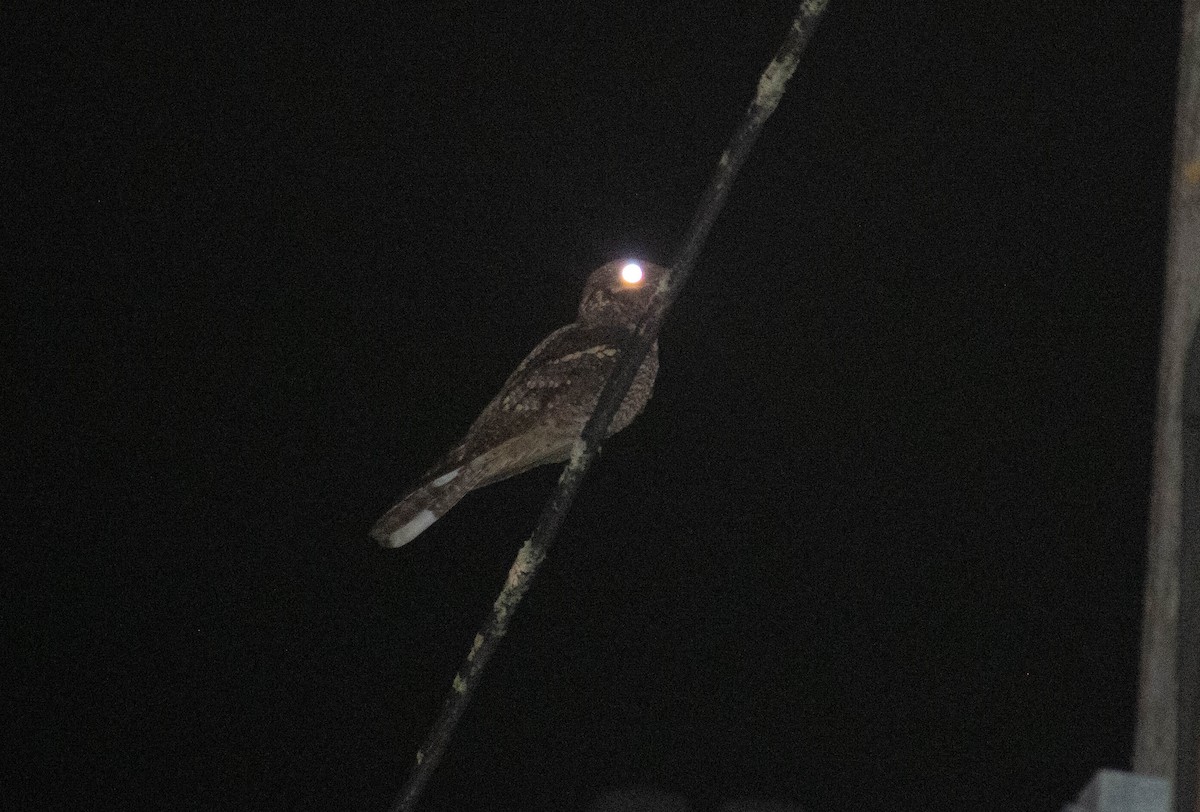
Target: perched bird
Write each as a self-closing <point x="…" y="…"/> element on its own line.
<point x="544" y="404"/>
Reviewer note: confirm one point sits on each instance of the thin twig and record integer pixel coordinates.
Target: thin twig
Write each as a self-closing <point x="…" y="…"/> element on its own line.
<point x="770" y="89"/>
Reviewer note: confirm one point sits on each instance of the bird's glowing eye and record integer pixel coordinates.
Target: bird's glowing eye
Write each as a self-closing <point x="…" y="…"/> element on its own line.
<point x="632" y="273"/>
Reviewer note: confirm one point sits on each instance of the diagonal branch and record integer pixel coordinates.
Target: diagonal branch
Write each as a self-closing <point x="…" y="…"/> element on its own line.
<point x="770" y="90"/>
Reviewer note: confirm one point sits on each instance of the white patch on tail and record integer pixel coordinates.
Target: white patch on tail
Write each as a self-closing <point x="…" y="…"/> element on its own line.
<point x="411" y="529"/>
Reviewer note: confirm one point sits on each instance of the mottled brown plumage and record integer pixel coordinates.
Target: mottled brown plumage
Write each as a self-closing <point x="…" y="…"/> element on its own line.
<point x="542" y="407"/>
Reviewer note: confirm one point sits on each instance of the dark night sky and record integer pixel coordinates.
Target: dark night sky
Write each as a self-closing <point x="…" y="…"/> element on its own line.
<point x="876" y="542"/>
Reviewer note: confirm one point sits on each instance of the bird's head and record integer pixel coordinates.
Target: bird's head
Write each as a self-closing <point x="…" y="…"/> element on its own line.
<point x="617" y="293"/>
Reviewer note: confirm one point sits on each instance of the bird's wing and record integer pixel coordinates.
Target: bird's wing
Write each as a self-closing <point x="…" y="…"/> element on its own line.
<point x="553" y="389"/>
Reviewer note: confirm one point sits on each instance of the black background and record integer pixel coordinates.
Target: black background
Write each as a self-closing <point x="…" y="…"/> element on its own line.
<point x="876" y="543"/>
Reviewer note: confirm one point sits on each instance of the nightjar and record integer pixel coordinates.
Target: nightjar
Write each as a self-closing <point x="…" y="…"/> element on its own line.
<point x="543" y="406"/>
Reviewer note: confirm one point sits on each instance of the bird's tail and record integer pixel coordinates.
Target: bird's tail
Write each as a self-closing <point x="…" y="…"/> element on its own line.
<point x="409" y="517"/>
